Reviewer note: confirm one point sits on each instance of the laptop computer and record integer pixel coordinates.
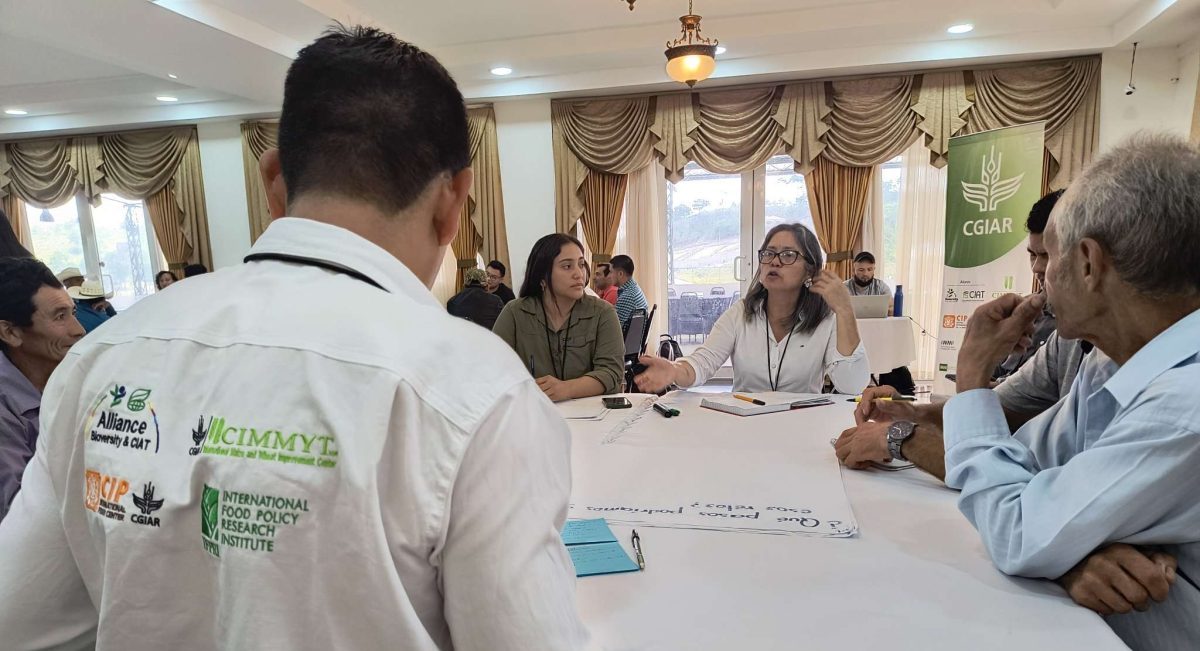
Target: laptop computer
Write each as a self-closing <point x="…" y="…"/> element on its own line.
<point x="870" y="307"/>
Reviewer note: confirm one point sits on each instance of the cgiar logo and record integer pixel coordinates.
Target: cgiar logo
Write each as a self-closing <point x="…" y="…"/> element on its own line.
<point x="991" y="191"/>
<point x="147" y="505"/>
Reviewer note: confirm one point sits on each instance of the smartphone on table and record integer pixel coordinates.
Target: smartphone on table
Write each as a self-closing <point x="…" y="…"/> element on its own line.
<point x="617" y="402"/>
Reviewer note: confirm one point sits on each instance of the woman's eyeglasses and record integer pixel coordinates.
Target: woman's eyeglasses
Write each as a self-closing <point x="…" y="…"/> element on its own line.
<point x="786" y="257"/>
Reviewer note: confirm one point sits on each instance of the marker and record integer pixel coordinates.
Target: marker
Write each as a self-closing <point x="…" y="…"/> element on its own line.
<point x="637" y="547"/>
<point x="666" y="413"/>
<point x="531" y="366"/>
<point x="888" y="398"/>
<point x="749" y="399"/>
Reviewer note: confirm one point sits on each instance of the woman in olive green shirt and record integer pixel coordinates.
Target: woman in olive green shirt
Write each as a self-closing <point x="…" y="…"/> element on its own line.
<point x="571" y="342"/>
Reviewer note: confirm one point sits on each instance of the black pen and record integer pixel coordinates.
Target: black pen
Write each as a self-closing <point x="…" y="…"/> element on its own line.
<point x="666" y="413"/>
<point x="637" y="547"/>
<point x="531" y="366"/>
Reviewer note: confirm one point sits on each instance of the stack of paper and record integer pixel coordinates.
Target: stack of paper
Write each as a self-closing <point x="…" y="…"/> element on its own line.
<point x="716" y="480"/>
<point x="583" y="409"/>
<point x="594" y="549"/>
<point x="774" y="401"/>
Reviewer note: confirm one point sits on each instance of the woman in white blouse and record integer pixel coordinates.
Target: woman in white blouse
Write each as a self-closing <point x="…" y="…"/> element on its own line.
<point x="793" y="327"/>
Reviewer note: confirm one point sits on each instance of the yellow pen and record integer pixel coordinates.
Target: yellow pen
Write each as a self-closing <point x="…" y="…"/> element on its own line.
<point x="889" y="398"/>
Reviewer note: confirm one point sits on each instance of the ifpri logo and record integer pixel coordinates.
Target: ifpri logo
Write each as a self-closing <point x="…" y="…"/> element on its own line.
<point x="988" y="194"/>
<point x="210" y="508"/>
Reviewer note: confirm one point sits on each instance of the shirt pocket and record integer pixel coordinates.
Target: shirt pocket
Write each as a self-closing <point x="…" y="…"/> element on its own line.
<point x="579" y="351"/>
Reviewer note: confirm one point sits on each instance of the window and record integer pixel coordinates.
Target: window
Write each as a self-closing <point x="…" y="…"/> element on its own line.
<point x="114" y="241"/>
<point x="891" y="176"/>
<point x="786" y="195"/>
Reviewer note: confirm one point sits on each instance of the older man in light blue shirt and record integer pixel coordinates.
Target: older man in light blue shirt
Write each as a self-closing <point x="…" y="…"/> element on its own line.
<point x="1118" y="460"/>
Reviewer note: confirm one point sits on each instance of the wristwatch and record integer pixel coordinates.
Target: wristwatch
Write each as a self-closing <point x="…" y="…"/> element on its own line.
<point x="897" y="433"/>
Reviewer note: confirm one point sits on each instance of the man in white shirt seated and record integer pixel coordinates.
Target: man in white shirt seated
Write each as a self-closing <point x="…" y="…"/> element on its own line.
<point x="1113" y="464"/>
<point x="234" y="465"/>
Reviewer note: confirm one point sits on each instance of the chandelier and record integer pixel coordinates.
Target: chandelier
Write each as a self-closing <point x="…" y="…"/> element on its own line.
<point x="691" y="57"/>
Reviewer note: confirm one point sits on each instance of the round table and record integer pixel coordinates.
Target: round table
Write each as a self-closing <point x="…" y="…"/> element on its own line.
<point x="916" y="576"/>
<point x="890" y="343"/>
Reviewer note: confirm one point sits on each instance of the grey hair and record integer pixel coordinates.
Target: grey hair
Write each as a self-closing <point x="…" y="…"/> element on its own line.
<point x="1141" y="202"/>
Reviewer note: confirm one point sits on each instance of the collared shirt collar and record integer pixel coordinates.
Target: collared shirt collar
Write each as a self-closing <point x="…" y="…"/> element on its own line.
<point x="1171" y="346"/>
<point x="24" y="396"/>
<point x="312" y="239"/>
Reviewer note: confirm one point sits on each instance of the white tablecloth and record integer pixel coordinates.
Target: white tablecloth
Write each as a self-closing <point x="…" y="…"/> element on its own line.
<point x="889" y="342"/>
<point x="916" y="577"/>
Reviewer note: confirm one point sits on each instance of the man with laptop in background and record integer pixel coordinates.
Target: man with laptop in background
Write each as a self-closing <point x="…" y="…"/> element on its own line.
<point x="864" y="284"/>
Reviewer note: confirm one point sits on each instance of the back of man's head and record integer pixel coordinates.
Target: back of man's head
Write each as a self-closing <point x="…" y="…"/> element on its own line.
<point x="475" y="276"/>
<point x="1040" y="213"/>
<point x="622" y="263"/>
<point x="194" y="270"/>
<point x="20" y="280"/>
<point x="371" y="118"/>
<point x="1141" y="203"/>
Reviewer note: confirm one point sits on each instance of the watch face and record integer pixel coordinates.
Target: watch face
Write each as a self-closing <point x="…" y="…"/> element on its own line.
<point x="899" y="431"/>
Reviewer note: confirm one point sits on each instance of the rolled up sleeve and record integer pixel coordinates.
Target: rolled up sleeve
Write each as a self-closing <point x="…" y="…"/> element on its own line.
<point x="850" y="373"/>
<point x="608" y="363"/>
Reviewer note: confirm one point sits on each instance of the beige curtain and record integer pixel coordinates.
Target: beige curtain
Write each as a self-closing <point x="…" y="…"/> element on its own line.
<point x="163" y="165"/>
<point x="921" y="259"/>
<point x="18" y="218"/>
<point x="136" y="165"/>
<point x="163" y="212"/>
<point x="444" y="286"/>
<point x="941" y="106"/>
<point x="603" y="201"/>
<point x="643" y="237"/>
<point x="802" y="113"/>
<point x="837" y="195"/>
<point x="1064" y="94"/>
<point x="736" y="130"/>
<point x="465" y="247"/>
<point x="487" y="198"/>
<point x="870" y="121"/>
<point x="257" y="137"/>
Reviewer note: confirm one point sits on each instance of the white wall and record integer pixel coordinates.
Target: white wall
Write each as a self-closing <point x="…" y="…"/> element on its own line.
<point x="224" y="191"/>
<point x="1166" y="90"/>
<point x="527" y="177"/>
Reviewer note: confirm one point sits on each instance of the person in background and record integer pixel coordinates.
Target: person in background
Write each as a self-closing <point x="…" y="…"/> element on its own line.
<point x="496" y="271"/>
<point x="473" y="303"/>
<point x="1098" y="492"/>
<point x="10" y="246"/>
<point x="864" y="282"/>
<point x="73" y="277"/>
<point x="164" y="279"/>
<point x="37" y="327"/>
<point x="90" y="302"/>
<point x="193" y="270"/>
<point x="1044" y="328"/>
<point x="571" y="342"/>
<point x="794" y="327"/>
<point x="603" y="283"/>
<point x="406" y="472"/>
<point x="629" y="293"/>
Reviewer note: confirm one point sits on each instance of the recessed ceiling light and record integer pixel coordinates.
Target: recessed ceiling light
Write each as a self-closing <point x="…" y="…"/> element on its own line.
<point x="501" y="71"/>
<point x="172" y="75"/>
<point x="720" y="49"/>
<point x="166" y="98"/>
<point x="962" y="28"/>
<point x="16" y="111"/>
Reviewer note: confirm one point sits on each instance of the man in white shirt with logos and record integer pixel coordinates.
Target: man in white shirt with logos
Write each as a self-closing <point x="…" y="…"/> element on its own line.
<point x="233" y="465"/>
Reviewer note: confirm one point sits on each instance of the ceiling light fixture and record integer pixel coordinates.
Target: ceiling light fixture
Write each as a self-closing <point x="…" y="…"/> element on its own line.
<point x="961" y="28"/>
<point x="15" y="111"/>
<point x="172" y="75"/>
<point x="631" y="4"/>
<point x="501" y="71"/>
<point x="691" y="57"/>
<point x="46" y="217"/>
<point x="166" y="98"/>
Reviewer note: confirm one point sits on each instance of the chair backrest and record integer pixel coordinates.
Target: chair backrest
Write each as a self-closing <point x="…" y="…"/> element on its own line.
<point x="717" y="291"/>
<point x="691" y="294"/>
<point x="670" y="291"/>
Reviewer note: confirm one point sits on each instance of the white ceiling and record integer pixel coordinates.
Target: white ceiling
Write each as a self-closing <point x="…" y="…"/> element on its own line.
<point x="105" y="66"/>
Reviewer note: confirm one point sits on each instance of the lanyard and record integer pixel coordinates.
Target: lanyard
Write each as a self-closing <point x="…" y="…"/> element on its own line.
<point x="559" y="370"/>
<point x="313" y="262"/>
<point x="775" y="382"/>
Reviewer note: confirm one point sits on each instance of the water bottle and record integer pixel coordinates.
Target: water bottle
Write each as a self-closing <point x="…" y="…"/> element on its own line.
<point x="898" y="301"/>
